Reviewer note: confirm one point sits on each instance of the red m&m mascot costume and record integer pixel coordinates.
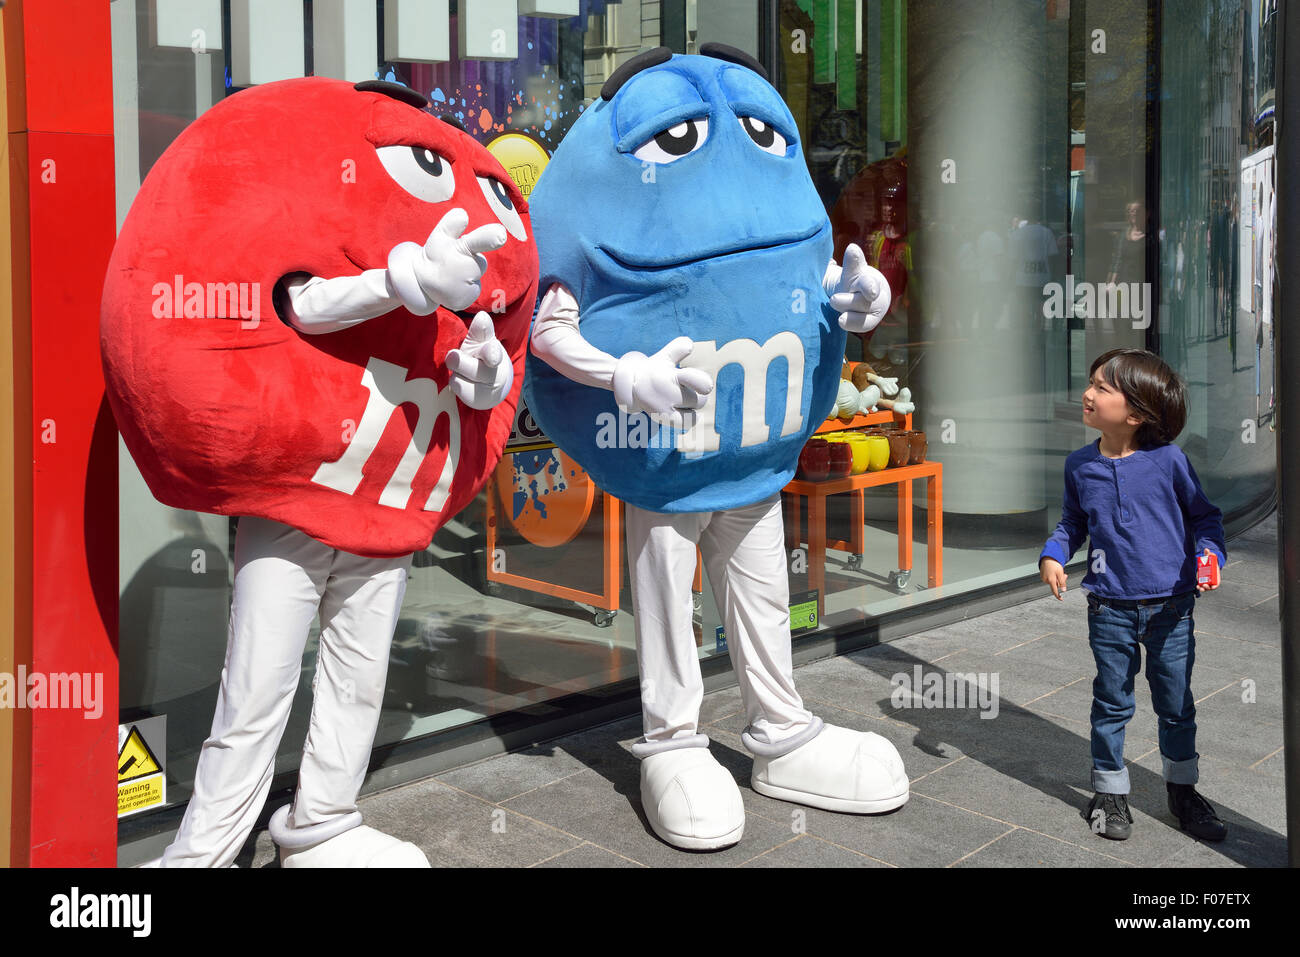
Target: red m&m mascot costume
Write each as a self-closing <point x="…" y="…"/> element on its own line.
<point x="315" y="318"/>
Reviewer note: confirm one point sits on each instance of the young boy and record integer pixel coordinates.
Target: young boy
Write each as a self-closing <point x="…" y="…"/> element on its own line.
<point x="1136" y="497"/>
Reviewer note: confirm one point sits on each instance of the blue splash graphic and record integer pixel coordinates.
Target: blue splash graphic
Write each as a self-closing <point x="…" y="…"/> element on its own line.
<point x="537" y="474"/>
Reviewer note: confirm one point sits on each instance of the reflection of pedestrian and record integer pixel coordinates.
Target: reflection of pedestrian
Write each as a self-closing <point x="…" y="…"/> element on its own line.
<point x="1220" y="239"/>
<point x="990" y="267"/>
<point x="1129" y="263"/>
<point x="1231" y="255"/>
<point x="1031" y="249"/>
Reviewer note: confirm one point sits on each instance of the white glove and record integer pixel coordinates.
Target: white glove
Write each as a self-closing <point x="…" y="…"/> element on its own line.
<point x="481" y="371"/>
<point x="654" y="384"/>
<point x="447" y="269"/>
<point x="888" y="387"/>
<point x="868" y="398"/>
<point x="862" y="295"/>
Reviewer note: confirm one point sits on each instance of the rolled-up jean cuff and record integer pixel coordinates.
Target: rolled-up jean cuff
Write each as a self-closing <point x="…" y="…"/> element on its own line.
<point x="775" y="749"/>
<point x="643" y="749"/>
<point x="1182" y="772"/>
<point x="1110" y="782"/>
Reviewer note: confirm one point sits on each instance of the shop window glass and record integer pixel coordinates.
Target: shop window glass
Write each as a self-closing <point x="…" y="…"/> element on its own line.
<point x="1038" y="181"/>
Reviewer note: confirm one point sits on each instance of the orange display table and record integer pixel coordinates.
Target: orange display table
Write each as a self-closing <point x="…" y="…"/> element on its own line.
<point x="573" y="517"/>
<point x="902" y="476"/>
<point x="606" y="601"/>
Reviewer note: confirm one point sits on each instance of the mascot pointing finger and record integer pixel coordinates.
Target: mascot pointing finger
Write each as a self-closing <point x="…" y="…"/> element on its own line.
<point x="690" y="289"/>
<point x="315" y="318"/>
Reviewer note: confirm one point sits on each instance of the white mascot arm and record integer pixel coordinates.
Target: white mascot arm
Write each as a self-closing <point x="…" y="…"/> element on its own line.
<point x="859" y="293"/>
<point x="446" y="271"/>
<point x="640" y="383"/>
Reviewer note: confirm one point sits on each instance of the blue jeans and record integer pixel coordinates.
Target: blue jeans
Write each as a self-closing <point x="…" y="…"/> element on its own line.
<point x="1116" y="636"/>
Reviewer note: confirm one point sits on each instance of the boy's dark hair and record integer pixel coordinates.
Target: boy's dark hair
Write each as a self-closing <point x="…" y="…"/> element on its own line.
<point x="1155" y="392"/>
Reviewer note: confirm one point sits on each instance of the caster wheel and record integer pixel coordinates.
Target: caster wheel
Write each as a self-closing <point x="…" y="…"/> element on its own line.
<point x="602" y="619"/>
<point x="854" y="563"/>
<point x="899" y="579"/>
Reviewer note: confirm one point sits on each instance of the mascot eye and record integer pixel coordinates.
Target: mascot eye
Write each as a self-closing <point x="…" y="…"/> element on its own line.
<point x="420" y="171"/>
<point x="764" y="135"/>
<point x="498" y="197"/>
<point x="674" y="143"/>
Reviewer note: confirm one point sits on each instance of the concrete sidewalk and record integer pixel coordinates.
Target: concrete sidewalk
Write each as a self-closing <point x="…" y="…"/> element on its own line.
<point x="1001" y="791"/>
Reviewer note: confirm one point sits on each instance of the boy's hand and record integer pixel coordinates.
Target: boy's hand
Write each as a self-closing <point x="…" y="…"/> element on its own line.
<point x="1202" y="589"/>
<point x="1053" y="574"/>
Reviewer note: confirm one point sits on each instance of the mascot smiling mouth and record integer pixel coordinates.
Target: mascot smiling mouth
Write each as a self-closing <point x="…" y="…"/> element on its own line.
<point x="629" y="261"/>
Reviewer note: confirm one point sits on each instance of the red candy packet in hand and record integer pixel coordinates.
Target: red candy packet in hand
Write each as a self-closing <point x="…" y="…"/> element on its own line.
<point x="1207" y="569"/>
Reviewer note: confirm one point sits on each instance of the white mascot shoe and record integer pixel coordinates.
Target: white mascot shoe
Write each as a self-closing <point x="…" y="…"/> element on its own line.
<point x="691" y="800"/>
<point x="857" y="772"/>
<point x="355" y="846"/>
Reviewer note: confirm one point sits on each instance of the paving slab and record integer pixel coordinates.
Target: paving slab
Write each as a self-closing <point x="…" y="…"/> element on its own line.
<point x="1021" y="848"/>
<point x="500" y="778"/>
<point x="808" y="851"/>
<point x="588" y="855"/>
<point x="922" y="833"/>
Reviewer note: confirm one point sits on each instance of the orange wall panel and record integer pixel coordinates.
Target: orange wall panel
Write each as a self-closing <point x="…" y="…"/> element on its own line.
<point x="74" y="497"/>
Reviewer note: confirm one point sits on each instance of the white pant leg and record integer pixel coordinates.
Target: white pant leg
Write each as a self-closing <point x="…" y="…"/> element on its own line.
<point x="358" y="614"/>
<point x="744" y="554"/>
<point x="280" y="574"/>
<point x="661" y="561"/>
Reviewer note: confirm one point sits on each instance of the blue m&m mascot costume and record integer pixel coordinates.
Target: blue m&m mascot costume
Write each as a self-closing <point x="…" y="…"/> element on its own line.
<point x="688" y="343"/>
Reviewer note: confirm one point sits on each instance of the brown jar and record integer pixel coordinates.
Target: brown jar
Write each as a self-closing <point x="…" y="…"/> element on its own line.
<point x="919" y="446"/>
<point x="900" y="449"/>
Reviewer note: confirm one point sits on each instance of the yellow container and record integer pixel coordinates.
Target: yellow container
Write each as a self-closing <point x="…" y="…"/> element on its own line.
<point x="861" y="452"/>
<point x="879" y="457"/>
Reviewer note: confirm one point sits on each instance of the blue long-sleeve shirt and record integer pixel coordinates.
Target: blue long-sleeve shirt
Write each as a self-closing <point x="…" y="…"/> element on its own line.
<point x="1145" y="512"/>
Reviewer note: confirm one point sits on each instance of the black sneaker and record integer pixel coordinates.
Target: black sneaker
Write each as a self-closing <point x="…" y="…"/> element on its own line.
<point x="1109" y="816"/>
<point x="1194" y="813"/>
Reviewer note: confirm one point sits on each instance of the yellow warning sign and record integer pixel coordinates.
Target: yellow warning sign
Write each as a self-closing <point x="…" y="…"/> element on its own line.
<point x="141" y="782"/>
<point x="135" y="760"/>
<point x="137" y="795"/>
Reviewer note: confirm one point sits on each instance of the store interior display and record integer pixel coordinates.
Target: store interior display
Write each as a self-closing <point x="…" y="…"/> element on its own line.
<point x="869" y="447"/>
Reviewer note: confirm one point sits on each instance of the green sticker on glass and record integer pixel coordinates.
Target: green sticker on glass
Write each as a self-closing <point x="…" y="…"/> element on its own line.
<point x="803" y="612"/>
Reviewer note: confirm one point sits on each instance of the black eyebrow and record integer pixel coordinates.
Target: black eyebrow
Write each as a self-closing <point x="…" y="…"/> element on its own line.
<point x="452" y="121"/>
<point x="398" y="92"/>
<point x="642" y="61"/>
<point x="720" y="51"/>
